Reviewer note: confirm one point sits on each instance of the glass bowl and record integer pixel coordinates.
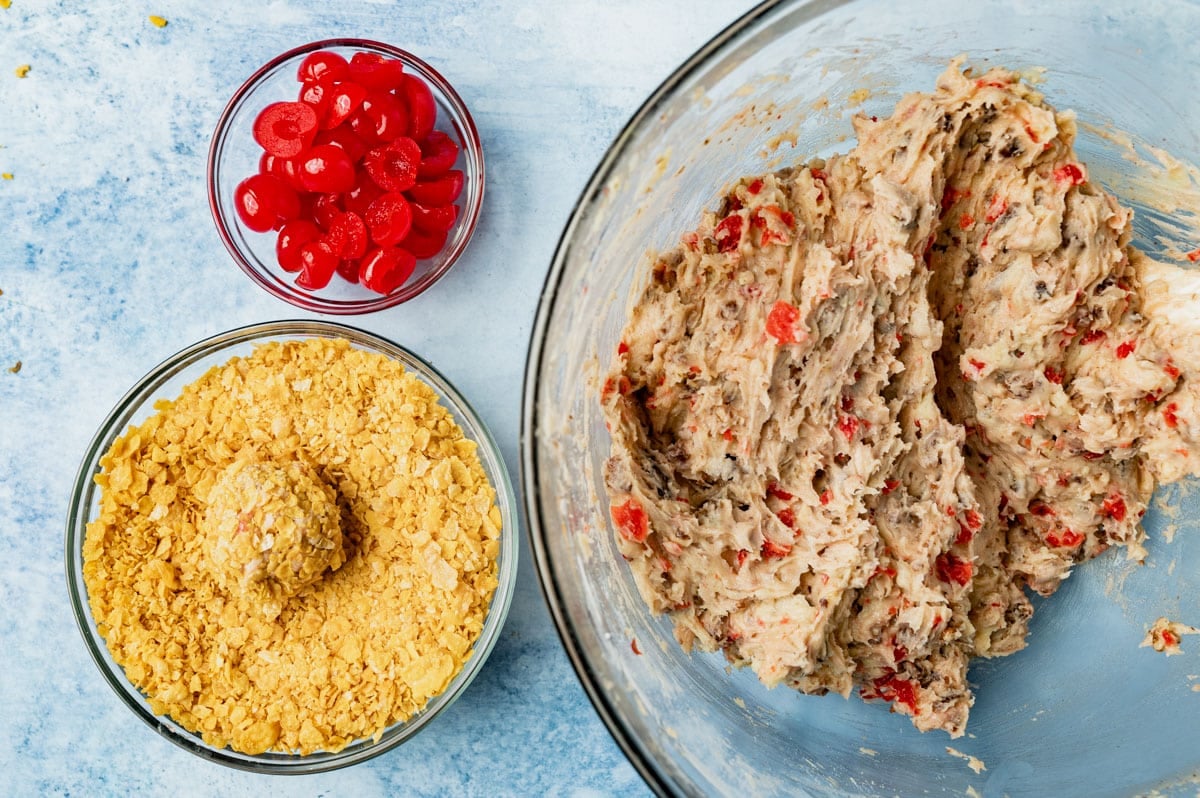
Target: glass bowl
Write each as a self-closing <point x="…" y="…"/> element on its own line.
<point x="166" y="381"/>
<point x="234" y="155"/>
<point x="1083" y="711"/>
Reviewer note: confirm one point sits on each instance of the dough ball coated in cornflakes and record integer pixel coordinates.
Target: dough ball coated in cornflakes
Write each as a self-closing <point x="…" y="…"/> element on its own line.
<point x="272" y="530"/>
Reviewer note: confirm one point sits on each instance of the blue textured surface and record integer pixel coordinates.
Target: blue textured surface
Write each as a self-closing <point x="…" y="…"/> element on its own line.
<point x="109" y="263"/>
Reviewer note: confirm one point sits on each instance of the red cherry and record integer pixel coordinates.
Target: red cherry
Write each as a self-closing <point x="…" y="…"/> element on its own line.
<point x="389" y="219"/>
<point x="287" y="205"/>
<point x="343" y="137"/>
<point x="343" y="101"/>
<point x="348" y="235"/>
<point x="433" y="220"/>
<point x="348" y="269"/>
<point x="262" y="201"/>
<point x="385" y="270"/>
<point x="425" y="245"/>
<point x="282" y="168"/>
<point x="394" y="167"/>
<point x="383" y="117"/>
<point x="376" y="71"/>
<point x="327" y="168"/>
<point x="438" y="154"/>
<point x="317" y="263"/>
<point x="285" y="128"/>
<point x="321" y="208"/>
<point x="440" y="191"/>
<point x="359" y="198"/>
<point x="293" y="236"/>
<point x="317" y="94"/>
<point x="322" y="65"/>
<point x="422" y="108"/>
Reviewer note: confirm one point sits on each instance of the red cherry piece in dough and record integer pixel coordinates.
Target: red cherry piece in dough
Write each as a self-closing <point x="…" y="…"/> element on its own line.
<point x="348" y="235"/>
<point x="285" y="128"/>
<point x="327" y="168"/>
<point x="343" y="137"/>
<point x="425" y="245"/>
<point x="322" y="65"/>
<point x="433" y="220"/>
<point x="293" y="236"/>
<point x="376" y="71"/>
<point x="359" y="198"/>
<point x="344" y="100"/>
<point x="384" y="270"/>
<point x="382" y="115"/>
<point x="262" y="201"/>
<point x="422" y="108"/>
<point x="440" y="191"/>
<point x="317" y="264"/>
<point x="394" y="167"/>
<point x="389" y="218"/>
<point x="438" y="154"/>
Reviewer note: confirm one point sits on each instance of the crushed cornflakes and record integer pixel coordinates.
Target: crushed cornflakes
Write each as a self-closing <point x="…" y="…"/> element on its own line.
<point x="23" y="70"/>
<point x="380" y="632"/>
<point x="157" y="21"/>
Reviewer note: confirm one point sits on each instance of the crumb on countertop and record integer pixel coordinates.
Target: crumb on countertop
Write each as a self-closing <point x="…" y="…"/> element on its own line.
<point x="973" y="762"/>
<point x="157" y="21"/>
<point x="22" y="70"/>
<point x="5" y="3"/>
<point x="6" y="175"/>
<point x="15" y="367"/>
<point x="1164" y="635"/>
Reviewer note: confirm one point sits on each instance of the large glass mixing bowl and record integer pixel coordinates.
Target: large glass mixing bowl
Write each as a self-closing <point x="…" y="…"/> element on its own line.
<point x="1083" y="711"/>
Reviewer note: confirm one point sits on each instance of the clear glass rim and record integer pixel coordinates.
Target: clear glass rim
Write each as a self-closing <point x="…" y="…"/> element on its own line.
<point x="473" y="192"/>
<point x="84" y="490"/>
<point x="657" y="778"/>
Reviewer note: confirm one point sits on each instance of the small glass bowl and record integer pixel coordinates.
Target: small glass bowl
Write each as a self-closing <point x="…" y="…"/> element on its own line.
<point x="166" y="381"/>
<point x="234" y="156"/>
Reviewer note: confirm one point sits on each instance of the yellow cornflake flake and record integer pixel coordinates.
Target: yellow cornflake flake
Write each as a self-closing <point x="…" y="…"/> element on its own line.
<point x="375" y="636"/>
<point x="157" y="21"/>
<point x="22" y="70"/>
<point x="16" y="367"/>
<point x="6" y="175"/>
<point x="5" y="3"/>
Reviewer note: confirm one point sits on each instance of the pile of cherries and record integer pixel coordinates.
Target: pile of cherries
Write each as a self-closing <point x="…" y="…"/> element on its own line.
<point x="353" y="175"/>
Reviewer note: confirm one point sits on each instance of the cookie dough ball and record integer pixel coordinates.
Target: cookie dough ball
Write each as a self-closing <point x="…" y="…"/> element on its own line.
<point x="272" y="530"/>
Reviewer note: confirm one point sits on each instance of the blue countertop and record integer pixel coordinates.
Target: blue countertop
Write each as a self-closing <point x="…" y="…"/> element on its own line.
<point x="109" y="263"/>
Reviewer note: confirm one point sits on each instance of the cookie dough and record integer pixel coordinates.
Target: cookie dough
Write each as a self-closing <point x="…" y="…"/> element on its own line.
<point x="272" y="530"/>
<point x="1165" y="635"/>
<point x="870" y="401"/>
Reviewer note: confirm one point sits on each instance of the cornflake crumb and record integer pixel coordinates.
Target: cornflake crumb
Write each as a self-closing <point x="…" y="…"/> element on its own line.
<point x="1164" y="636"/>
<point x="6" y="175"/>
<point x="5" y="3"/>
<point x="376" y="635"/>
<point x="157" y="21"/>
<point x="23" y="70"/>
<point x="974" y="763"/>
<point x="15" y="367"/>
